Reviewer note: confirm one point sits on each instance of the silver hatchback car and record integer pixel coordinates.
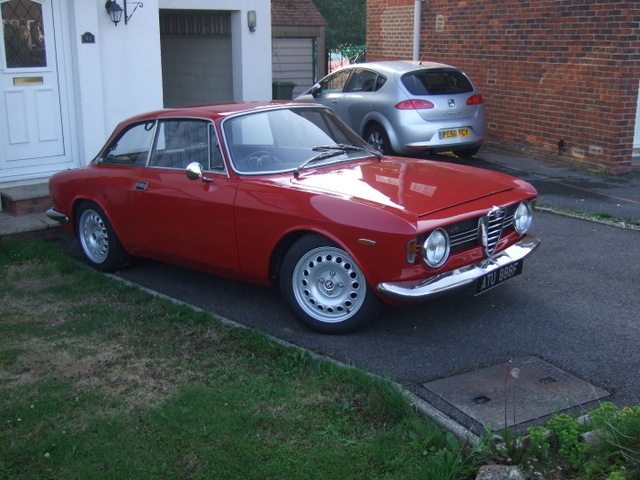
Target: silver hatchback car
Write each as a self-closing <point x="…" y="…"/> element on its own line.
<point x="406" y="107"/>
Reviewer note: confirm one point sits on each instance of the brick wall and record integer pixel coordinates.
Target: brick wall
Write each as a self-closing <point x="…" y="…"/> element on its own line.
<point x="548" y="69"/>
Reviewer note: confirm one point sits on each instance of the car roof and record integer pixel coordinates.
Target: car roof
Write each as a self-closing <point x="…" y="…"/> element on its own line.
<point x="400" y="66"/>
<point x="214" y="110"/>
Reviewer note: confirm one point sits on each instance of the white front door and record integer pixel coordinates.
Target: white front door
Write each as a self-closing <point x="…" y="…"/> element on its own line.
<point x="34" y="137"/>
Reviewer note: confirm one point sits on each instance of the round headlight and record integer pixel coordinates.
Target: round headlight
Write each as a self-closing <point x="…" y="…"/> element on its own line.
<point x="522" y="218"/>
<point x="435" y="249"/>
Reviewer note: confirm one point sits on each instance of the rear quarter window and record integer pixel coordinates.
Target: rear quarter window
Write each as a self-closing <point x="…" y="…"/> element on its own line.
<point x="437" y="82"/>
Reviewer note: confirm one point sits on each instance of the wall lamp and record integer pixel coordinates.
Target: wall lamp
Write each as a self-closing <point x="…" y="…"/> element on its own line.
<point x="252" y="20"/>
<point x="116" y="12"/>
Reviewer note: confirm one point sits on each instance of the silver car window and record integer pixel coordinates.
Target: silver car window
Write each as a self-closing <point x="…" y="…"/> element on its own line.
<point x="335" y="83"/>
<point x="362" y="80"/>
<point x="437" y="82"/>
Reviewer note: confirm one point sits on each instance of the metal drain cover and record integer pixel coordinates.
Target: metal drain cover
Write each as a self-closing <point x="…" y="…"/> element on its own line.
<point x="526" y="389"/>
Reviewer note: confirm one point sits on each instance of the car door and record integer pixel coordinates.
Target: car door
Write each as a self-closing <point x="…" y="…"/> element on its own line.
<point x="331" y="92"/>
<point x="183" y="220"/>
<point x="357" y="97"/>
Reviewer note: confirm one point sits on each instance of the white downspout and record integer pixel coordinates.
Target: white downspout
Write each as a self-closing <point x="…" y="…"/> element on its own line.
<point x="416" y="30"/>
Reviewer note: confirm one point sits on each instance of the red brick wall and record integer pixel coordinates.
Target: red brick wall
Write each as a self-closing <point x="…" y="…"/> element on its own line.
<point x="548" y="69"/>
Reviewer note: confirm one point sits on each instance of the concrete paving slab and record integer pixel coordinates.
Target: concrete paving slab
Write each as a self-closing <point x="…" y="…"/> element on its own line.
<point x="11" y="225"/>
<point x="525" y="389"/>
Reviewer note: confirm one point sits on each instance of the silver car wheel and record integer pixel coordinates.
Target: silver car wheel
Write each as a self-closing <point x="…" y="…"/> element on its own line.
<point x="93" y="235"/>
<point x="328" y="285"/>
<point x="377" y="137"/>
<point x="376" y="141"/>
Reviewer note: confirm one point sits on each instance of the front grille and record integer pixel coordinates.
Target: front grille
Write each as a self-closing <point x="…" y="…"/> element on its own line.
<point x="493" y="222"/>
<point x="467" y="234"/>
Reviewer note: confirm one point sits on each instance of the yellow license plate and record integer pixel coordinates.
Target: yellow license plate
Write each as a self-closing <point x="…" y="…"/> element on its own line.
<point x="455" y="133"/>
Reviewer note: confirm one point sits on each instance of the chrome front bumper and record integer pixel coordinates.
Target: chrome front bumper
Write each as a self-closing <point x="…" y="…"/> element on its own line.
<point x="57" y="216"/>
<point x="419" y="290"/>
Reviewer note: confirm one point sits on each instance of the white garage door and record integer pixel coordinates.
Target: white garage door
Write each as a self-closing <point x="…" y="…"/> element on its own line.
<point x="294" y="59"/>
<point x="196" y="57"/>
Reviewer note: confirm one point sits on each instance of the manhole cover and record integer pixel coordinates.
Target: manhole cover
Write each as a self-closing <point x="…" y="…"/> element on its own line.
<point x="526" y="389"/>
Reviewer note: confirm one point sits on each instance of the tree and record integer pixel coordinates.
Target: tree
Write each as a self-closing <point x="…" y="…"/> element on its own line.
<point x="346" y="22"/>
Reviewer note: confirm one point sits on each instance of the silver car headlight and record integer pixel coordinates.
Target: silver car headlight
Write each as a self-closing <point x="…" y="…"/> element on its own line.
<point x="522" y="218"/>
<point x="435" y="249"/>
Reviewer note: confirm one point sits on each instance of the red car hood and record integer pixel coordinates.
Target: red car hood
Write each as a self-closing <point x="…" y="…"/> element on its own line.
<point x="419" y="187"/>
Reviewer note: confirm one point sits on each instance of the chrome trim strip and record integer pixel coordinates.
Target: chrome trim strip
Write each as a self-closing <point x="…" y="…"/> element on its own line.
<point x="57" y="216"/>
<point x="432" y="287"/>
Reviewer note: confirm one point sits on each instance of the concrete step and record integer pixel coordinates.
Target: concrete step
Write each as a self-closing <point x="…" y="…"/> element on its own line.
<point x="27" y="200"/>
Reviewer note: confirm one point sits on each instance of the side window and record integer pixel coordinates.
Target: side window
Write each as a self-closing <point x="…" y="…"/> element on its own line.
<point x="335" y="83"/>
<point x="132" y="146"/>
<point x="217" y="162"/>
<point x="180" y="142"/>
<point x="362" y="81"/>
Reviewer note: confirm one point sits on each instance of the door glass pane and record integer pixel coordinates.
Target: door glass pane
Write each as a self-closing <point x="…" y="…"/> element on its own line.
<point x="131" y="147"/>
<point x="180" y="142"/>
<point x="23" y="32"/>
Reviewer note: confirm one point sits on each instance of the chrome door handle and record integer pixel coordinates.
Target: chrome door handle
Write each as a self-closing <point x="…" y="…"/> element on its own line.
<point x="141" y="186"/>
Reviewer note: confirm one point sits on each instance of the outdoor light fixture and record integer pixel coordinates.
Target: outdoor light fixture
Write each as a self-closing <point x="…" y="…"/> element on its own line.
<point x="251" y="20"/>
<point x="116" y="12"/>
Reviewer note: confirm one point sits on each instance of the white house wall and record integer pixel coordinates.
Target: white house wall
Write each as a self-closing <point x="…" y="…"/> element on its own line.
<point x="117" y="76"/>
<point x="251" y="67"/>
<point x="120" y="75"/>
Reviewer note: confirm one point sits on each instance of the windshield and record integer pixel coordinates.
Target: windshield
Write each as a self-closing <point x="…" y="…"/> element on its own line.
<point x="289" y="139"/>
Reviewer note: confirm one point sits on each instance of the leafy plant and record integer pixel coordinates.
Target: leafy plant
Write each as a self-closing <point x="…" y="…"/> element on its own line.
<point x="617" y="446"/>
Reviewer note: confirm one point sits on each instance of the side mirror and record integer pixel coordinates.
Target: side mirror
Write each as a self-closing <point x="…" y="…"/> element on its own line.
<point x="316" y="90"/>
<point x="194" y="172"/>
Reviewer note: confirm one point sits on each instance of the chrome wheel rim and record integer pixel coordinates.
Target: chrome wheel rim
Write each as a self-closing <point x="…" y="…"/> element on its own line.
<point x="376" y="141"/>
<point x="93" y="236"/>
<point x="328" y="285"/>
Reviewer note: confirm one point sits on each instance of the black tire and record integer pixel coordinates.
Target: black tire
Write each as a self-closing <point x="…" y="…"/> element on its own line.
<point x="467" y="153"/>
<point x="324" y="288"/>
<point x="377" y="137"/>
<point x="98" y="242"/>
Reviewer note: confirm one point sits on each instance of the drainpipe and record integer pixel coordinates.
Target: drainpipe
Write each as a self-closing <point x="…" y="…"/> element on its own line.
<point x="417" y="13"/>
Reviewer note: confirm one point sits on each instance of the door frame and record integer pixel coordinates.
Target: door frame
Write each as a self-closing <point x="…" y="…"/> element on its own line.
<point x="63" y="57"/>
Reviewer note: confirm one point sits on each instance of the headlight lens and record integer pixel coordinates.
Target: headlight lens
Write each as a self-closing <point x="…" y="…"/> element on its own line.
<point x="522" y="218"/>
<point x="435" y="249"/>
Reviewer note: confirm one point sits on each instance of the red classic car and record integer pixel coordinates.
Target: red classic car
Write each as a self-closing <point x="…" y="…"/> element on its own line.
<point x="285" y="193"/>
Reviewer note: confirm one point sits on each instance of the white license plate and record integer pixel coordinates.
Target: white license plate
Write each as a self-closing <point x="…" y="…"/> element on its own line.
<point x="495" y="278"/>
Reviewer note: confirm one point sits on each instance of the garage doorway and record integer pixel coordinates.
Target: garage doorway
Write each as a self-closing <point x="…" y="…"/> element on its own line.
<point x="295" y="60"/>
<point x="196" y="57"/>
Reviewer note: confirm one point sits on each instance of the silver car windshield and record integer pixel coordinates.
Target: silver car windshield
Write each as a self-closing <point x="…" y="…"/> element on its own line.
<point x="289" y="139"/>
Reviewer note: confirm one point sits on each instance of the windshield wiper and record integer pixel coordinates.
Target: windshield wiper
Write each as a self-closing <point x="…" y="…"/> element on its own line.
<point x="349" y="148"/>
<point x="329" y="151"/>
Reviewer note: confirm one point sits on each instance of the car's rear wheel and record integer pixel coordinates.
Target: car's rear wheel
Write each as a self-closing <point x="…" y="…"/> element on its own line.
<point x="467" y="153"/>
<point x="98" y="241"/>
<point x="324" y="287"/>
<point x="377" y="137"/>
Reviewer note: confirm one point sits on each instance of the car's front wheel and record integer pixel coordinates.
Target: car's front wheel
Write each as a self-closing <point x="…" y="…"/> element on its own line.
<point x="377" y="137"/>
<point x="97" y="239"/>
<point x="324" y="287"/>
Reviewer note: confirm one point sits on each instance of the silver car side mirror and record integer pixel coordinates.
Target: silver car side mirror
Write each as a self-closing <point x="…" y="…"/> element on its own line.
<point x="194" y="172"/>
